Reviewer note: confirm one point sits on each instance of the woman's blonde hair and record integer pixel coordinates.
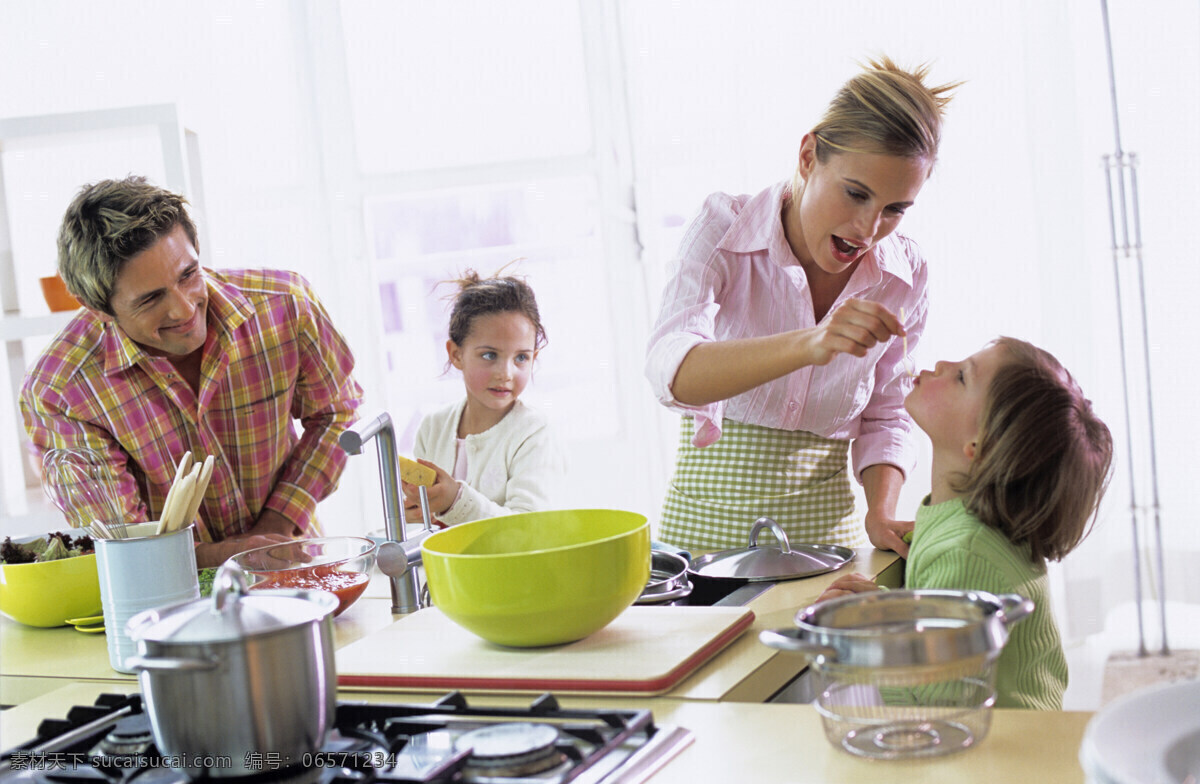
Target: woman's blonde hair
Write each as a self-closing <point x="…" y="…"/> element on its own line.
<point x="885" y="110"/>
<point x="1043" y="458"/>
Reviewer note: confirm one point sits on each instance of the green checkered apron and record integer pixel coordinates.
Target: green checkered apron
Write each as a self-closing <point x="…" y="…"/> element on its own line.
<point x="798" y="479"/>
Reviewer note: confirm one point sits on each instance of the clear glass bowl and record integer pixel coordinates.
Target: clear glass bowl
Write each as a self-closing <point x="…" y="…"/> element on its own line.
<point x="338" y="564"/>
<point x="908" y="711"/>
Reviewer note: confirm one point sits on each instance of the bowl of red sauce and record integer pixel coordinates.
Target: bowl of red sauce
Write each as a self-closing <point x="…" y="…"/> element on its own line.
<point x="340" y="565"/>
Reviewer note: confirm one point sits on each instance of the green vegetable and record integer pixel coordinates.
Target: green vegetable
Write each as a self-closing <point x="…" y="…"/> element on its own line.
<point x="29" y="552"/>
<point x="907" y="537"/>
<point x="55" y="551"/>
<point x="205" y="576"/>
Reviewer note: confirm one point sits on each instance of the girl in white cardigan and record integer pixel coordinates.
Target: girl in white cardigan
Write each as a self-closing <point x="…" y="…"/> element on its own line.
<point x="493" y="454"/>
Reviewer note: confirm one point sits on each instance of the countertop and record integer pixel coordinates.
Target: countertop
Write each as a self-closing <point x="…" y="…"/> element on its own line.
<point x="744" y="742"/>
<point x="34" y="661"/>
<point x="737" y="737"/>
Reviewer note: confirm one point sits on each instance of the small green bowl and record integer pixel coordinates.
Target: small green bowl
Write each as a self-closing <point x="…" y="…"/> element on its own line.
<point x="539" y="578"/>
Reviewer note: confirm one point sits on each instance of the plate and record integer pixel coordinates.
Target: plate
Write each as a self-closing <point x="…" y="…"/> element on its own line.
<point x="94" y="629"/>
<point x="90" y="620"/>
<point x="1151" y="736"/>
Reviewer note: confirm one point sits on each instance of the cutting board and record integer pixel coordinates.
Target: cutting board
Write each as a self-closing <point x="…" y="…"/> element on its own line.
<point x="647" y="650"/>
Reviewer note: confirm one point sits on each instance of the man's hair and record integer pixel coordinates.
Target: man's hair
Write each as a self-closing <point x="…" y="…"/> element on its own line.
<point x="1043" y="459"/>
<point x="108" y="223"/>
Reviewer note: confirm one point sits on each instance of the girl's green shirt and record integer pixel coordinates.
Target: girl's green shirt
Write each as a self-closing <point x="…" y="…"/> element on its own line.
<point x="953" y="549"/>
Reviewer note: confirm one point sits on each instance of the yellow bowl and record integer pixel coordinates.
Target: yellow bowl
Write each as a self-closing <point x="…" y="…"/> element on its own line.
<point x="47" y="594"/>
<point x="539" y="578"/>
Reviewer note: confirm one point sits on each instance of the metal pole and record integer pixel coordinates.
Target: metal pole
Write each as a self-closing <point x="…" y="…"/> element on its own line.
<point x="1158" y="545"/>
<point x="1109" y="167"/>
<point x="1133" y="247"/>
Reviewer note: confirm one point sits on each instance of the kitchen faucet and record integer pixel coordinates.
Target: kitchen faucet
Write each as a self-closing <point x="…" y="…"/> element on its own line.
<point x="398" y="557"/>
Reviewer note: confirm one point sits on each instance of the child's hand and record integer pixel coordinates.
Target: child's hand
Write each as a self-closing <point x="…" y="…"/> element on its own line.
<point x="848" y="584"/>
<point x="442" y="495"/>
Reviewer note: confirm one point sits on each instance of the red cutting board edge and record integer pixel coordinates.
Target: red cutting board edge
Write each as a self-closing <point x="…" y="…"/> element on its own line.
<point x="649" y="687"/>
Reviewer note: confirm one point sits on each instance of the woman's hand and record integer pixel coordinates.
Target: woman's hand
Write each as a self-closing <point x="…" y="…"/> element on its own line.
<point x="881" y="486"/>
<point x="721" y="369"/>
<point x="854" y="327"/>
<point x="887" y="534"/>
<point x="442" y="494"/>
<point x="848" y="584"/>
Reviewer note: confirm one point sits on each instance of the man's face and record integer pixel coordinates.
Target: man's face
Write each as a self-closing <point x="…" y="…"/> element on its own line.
<point x="161" y="298"/>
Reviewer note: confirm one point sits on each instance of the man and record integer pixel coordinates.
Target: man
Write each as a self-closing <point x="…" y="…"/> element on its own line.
<point x="168" y="357"/>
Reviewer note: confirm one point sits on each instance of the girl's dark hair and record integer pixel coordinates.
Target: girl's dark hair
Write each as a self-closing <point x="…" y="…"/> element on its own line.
<point x="481" y="297"/>
<point x="1043" y="459"/>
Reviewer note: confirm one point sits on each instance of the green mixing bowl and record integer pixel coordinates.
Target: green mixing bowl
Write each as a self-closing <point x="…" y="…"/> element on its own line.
<point x="539" y="578"/>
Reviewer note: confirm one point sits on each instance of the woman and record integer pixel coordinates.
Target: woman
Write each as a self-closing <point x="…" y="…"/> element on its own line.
<point x="777" y="338"/>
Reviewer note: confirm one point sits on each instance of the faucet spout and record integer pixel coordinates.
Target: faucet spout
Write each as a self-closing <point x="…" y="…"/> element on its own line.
<point x="405" y="590"/>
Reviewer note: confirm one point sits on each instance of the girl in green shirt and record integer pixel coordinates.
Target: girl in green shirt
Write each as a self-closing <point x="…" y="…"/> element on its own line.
<point x="1020" y="462"/>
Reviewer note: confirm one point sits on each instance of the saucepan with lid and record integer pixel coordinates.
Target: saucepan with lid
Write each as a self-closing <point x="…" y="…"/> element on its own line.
<point x="716" y="574"/>
<point x="904" y="673"/>
<point x="243" y="676"/>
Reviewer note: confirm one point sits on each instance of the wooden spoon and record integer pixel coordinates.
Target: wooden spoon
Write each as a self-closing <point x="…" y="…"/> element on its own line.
<point x="203" y="474"/>
<point x="181" y="471"/>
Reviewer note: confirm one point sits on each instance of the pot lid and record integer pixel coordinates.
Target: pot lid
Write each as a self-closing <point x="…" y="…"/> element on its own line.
<point x="233" y="612"/>
<point x="760" y="564"/>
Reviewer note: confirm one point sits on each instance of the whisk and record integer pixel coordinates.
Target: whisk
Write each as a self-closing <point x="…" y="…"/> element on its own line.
<point x="77" y="484"/>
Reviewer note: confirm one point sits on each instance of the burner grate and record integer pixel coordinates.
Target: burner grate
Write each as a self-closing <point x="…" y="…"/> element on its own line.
<point x="367" y="744"/>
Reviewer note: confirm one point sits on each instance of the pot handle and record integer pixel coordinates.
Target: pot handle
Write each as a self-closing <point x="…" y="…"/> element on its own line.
<point x="229" y="585"/>
<point x="765" y="522"/>
<point x="788" y="641"/>
<point x="168" y="664"/>
<point x="1014" y="607"/>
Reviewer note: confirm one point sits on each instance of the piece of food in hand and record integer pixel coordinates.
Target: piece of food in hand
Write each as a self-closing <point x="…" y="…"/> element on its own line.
<point x="416" y="474"/>
<point x="906" y="537"/>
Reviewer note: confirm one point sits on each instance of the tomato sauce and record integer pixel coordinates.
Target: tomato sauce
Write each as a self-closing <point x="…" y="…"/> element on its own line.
<point x="347" y="586"/>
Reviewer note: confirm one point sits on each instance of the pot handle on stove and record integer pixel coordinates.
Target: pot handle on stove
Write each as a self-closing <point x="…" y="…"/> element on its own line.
<point x="788" y="641"/>
<point x="169" y="664"/>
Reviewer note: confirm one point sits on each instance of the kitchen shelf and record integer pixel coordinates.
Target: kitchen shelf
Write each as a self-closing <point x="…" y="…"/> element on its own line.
<point x="20" y="327"/>
<point x="21" y="502"/>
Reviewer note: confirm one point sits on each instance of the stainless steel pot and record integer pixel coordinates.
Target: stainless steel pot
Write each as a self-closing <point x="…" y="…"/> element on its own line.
<point x="715" y="575"/>
<point x="668" y="579"/>
<point x="902" y="628"/>
<point x="904" y="673"/>
<point x="240" y="683"/>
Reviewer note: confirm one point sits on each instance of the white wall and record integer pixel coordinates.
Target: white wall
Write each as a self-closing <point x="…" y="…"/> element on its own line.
<point x="1014" y="221"/>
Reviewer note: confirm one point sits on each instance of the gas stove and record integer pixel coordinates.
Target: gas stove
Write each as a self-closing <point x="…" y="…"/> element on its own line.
<point x="111" y="742"/>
